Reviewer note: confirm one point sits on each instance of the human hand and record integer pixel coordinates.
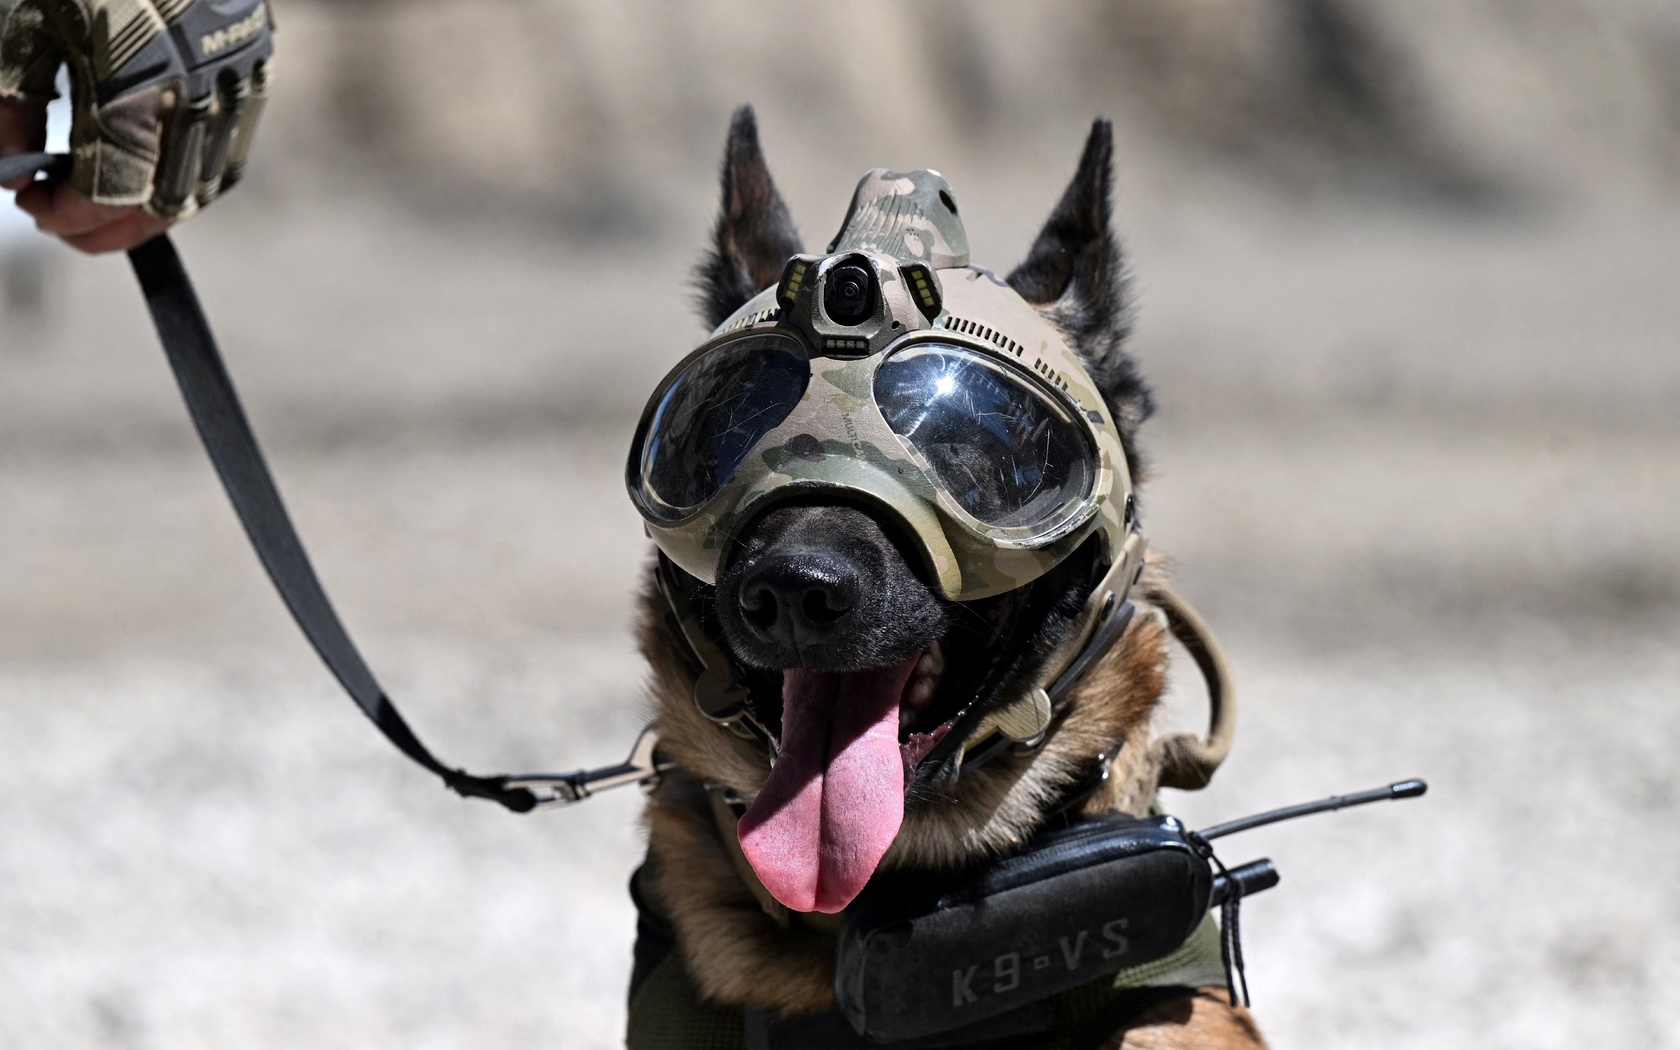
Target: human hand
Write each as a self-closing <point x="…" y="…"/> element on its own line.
<point x="163" y="114"/>
<point x="57" y="207"/>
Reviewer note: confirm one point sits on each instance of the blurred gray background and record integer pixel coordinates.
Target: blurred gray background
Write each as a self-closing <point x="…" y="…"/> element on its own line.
<point x="1409" y="290"/>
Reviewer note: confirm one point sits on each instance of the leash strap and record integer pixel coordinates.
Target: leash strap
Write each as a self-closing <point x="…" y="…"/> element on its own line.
<point x="16" y="166"/>
<point x="227" y="435"/>
<point x="232" y="445"/>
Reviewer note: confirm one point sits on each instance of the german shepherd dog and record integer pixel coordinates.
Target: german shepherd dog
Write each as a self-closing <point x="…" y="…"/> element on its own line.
<point x="819" y="596"/>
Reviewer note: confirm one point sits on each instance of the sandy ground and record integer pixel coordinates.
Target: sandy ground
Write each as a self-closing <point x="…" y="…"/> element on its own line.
<point x="1421" y="468"/>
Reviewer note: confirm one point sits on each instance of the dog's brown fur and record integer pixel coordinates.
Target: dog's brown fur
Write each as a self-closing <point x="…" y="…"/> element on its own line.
<point x="738" y="954"/>
<point x="1203" y="1019"/>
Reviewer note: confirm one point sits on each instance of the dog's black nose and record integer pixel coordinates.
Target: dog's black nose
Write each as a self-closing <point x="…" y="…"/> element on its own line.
<point x="824" y="588"/>
<point x="795" y="600"/>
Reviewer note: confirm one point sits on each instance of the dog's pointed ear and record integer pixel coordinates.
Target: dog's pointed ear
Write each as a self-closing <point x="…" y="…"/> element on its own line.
<point x="754" y="235"/>
<point x="1076" y="276"/>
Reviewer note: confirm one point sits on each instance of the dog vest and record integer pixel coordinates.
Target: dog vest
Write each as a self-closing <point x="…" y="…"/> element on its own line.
<point x="667" y="1011"/>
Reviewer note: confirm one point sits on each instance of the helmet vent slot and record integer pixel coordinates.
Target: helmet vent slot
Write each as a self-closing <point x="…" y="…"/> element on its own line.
<point x="980" y="331"/>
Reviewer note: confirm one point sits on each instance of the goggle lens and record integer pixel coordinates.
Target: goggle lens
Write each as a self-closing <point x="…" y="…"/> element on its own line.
<point x="1006" y="450"/>
<point x="713" y="414"/>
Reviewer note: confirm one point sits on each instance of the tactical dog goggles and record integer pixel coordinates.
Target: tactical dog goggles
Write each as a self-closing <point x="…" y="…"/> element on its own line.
<point x="987" y="442"/>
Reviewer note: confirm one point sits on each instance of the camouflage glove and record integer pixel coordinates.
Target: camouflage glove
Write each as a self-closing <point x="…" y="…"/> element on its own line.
<point x="166" y="94"/>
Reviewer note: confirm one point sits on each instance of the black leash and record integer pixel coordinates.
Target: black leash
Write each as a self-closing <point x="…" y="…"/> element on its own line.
<point x="16" y="166"/>
<point x="226" y="432"/>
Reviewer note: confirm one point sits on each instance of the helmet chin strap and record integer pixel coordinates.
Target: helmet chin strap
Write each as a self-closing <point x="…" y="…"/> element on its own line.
<point x="719" y="691"/>
<point x="1181" y="760"/>
<point x="1104" y="619"/>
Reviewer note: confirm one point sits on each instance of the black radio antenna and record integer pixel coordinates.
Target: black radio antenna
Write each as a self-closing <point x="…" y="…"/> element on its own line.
<point x="1393" y="792"/>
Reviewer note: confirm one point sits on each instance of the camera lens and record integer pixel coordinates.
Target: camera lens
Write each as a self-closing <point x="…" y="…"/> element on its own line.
<point x="849" y="294"/>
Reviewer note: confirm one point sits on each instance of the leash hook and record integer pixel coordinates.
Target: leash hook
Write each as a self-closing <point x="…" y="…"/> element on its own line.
<point x="643" y="766"/>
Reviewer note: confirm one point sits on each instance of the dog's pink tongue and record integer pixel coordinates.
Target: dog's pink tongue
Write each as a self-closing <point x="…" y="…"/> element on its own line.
<point x="835" y="800"/>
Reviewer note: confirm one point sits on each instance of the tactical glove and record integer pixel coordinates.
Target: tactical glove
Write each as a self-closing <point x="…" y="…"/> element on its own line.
<point x="165" y="94"/>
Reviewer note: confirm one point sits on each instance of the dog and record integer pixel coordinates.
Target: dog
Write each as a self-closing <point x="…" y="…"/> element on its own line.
<point x="823" y="600"/>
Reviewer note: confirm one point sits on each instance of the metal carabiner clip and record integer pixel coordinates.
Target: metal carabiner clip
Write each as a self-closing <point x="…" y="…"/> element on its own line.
<point x="643" y="767"/>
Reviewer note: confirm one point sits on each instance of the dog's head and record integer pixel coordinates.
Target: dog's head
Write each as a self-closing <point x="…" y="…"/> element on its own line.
<point x="890" y="597"/>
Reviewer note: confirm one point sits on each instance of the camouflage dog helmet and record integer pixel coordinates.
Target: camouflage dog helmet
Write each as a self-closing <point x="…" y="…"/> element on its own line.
<point x="892" y="374"/>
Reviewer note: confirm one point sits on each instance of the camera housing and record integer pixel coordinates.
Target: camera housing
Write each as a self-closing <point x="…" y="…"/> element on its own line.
<point x="850" y="292"/>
